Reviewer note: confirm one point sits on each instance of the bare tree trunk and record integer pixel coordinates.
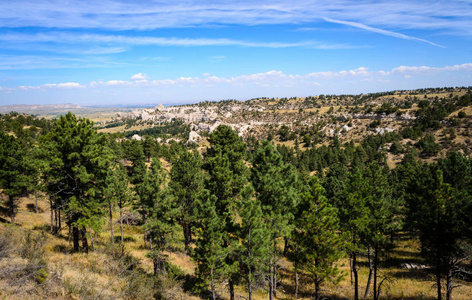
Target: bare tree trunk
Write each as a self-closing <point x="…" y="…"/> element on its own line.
<point x="52" y="215"/>
<point x="350" y="267"/>
<point x="296" y="280"/>
<point x="213" y="286"/>
<point x="376" y="256"/>
<point x="11" y="201"/>
<point x="75" y="238"/>
<point x="356" y="276"/>
<point x="187" y="229"/>
<point x="249" y="284"/>
<point x="271" y="280"/>
<point x="438" y="274"/>
<point x="231" y="289"/>
<point x="449" y="286"/>
<point x="59" y="226"/>
<point x="36" y="201"/>
<point x="91" y="239"/>
<point x="370" y="272"/>
<point x="121" y="224"/>
<point x="112" y="236"/>
<point x="85" y="245"/>
<point x="317" y="289"/>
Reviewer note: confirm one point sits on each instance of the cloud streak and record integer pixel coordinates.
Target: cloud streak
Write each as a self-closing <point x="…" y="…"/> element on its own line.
<point x="71" y="38"/>
<point x="381" y="31"/>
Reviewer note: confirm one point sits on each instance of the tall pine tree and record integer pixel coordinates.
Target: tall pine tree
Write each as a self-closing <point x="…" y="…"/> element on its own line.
<point x="276" y="186"/>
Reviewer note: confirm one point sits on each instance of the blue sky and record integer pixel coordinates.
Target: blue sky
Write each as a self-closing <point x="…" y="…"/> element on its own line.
<point x="143" y="52"/>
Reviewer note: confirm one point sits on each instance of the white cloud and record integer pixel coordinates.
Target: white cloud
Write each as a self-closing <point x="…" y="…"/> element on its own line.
<point x="274" y="78"/>
<point x="139" y="77"/>
<point x="50" y="86"/>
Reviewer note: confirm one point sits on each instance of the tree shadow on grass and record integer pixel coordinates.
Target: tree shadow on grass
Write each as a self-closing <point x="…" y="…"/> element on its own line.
<point x="4" y="211"/>
<point x="31" y="208"/>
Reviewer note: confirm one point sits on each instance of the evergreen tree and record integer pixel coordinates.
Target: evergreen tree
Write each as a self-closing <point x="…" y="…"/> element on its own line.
<point x="383" y="218"/>
<point x="210" y="251"/>
<point x="79" y="161"/>
<point x="13" y="178"/>
<point x="159" y="229"/>
<point x="149" y="191"/>
<point x="186" y="183"/>
<point x="255" y="240"/>
<point x="117" y="193"/>
<point x="440" y="212"/>
<point x="276" y="188"/>
<point x="318" y="238"/>
<point x="354" y="216"/>
<point x="227" y="176"/>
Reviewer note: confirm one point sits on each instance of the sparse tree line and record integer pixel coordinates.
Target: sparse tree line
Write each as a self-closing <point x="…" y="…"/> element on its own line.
<point x="243" y="207"/>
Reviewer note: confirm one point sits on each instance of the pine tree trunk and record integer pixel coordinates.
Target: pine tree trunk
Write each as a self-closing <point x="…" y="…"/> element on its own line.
<point x="212" y="286"/>
<point x="12" y="209"/>
<point x="376" y="256"/>
<point x="75" y="238"/>
<point x="271" y="281"/>
<point x="36" y="201"/>
<point x="296" y="280"/>
<point x="231" y="289"/>
<point x="112" y="236"/>
<point x="317" y="289"/>
<point x="187" y="234"/>
<point x="121" y="224"/>
<point x="350" y="267"/>
<point x="438" y="274"/>
<point x="91" y="239"/>
<point x="85" y="246"/>
<point x="356" y="276"/>
<point x="370" y="272"/>
<point x="52" y="215"/>
<point x="449" y="285"/>
<point x="285" y="246"/>
<point x="249" y="284"/>
<point x="59" y="226"/>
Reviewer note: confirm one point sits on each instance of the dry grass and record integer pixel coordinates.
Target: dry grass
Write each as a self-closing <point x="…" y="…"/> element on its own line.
<point x="82" y="275"/>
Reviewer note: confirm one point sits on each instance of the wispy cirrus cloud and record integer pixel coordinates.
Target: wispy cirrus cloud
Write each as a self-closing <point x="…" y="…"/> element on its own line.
<point x="31" y="62"/>
<point x="74" y="38"/>
<point x="448" y="16"/>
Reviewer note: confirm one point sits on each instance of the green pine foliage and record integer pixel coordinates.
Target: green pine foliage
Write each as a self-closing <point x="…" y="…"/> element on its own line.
<point x="186" y="183"/>
<point x="318" y="238"/>
<point x="78" y="164"/>
<point x="13" y="172"/>
<point x="255" y="241"/>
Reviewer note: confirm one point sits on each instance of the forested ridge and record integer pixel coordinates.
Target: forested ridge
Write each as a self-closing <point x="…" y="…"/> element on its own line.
<point x="115" y="218"/>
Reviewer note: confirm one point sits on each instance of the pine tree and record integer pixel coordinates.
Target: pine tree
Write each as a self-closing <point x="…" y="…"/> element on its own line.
<point x="149" y="191"/>
<point x="441" y="215"/>
<point x="210" y="252"/>
<point x="276" y="188"/>
<point x="159" y="229"/>
<point x="117" y="193"/>
<point x="353" y="214"/>
<point x="255" y="240"/>
<point x="13" y="178"/>
<point x="318" y="238"/>
<point x="227" y="176"/>
<point x="186" y="183"/>
<point x="79" y="161"/>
